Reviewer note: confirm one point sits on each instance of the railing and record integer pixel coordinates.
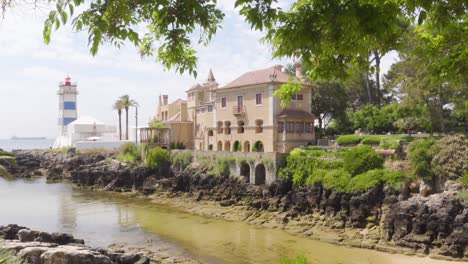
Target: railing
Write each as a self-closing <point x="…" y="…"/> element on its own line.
<point x="239" y="110"/>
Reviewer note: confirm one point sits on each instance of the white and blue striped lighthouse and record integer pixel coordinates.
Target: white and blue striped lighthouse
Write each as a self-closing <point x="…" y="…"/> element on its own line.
<point x="67" y="110"/>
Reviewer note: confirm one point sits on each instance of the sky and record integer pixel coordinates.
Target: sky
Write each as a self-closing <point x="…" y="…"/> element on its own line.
<point x="31" y="70"/>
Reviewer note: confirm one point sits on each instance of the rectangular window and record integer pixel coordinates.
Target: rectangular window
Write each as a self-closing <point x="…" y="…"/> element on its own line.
<point x="69" y="105"/>
<point x="289" y="127"/>
<point x="223" y="102"/>
<point x="210" y="108"/>
<point x="299" y="127"/>
<point x="280" y="127"/>
<point x="297" y="97"/>
<point x="258" y="99"/>
<point x="309" y="127"/>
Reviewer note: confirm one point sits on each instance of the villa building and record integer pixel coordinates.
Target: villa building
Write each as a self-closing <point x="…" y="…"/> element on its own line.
<point x="244" y="115"/>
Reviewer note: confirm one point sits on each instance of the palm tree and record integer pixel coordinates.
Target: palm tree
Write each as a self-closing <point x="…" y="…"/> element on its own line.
<point x="118" y="105"/>
<point x="127" y="103"/>
<point x="6" y="158"/>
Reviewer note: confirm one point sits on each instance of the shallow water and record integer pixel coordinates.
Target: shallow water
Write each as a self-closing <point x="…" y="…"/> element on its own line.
<point x="102" y="219"/>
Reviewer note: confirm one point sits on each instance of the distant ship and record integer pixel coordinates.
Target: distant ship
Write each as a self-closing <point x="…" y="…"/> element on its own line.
<point x="27" y="138"/>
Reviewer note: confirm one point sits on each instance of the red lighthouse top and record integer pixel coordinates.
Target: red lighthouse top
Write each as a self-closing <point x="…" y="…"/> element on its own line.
<point x="68" y="81"/>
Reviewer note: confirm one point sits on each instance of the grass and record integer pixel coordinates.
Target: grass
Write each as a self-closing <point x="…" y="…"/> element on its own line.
<point x="6" y="257"/>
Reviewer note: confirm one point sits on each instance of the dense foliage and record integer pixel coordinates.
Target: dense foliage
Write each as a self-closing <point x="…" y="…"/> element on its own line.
<point x="361" y="159"/>
<point x="356" y="169"/>
<point x="420" y="156"/>
<point x="129" y="152"/>
<point x="158" y="158"/>
<point x="181" y="160"/>
<point x="450" y="157"/>
<point x="348" y="140"/>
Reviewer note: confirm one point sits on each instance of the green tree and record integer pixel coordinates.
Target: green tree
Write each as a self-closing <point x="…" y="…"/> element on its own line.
<point x="118" y="105"/>
<point x="330" y="36"/>
<point x="126" y="103"/>
<point x="374" y="119"/>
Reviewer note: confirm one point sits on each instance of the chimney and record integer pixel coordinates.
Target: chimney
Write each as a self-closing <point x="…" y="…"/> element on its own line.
<point x="165" y="99"/>
<point x="299" y="71"/>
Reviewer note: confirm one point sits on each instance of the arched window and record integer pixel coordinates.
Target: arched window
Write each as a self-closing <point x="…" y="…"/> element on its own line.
<point x="227" y="146"/>
<point x="219" y="127"/>
<point x="258" y="147"/>
<point x="210" y="147"/>
<point x="258" y="126"/>
<point x="237" y="146"/>
<point x="220" y="146"/>
<point x="240" y="127"/>
<point x="227" y="127"/>
<point x="210" y="133"/>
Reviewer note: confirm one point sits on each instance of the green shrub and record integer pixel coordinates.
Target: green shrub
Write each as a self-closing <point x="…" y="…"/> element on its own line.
<point x="316" y="177"/>
<point x="366" y="180"/>
<point x="420" y="156"/>
<point x="222" y="166"/>
<point x="394" y="179"/>
<point x="129" y="152"/>
<point x="158" y="158"/>
<point x="181" y="160"/>
<point x="371" y="140"/>
<point x="387" y="143"/>
<point x="465" y="179"/>
<point x="361" y="159"/>
<point x="348" y="140"/>
<point x="337" y="180"/>
<point x="450" y="160"/>
<point x="296" y="260"/>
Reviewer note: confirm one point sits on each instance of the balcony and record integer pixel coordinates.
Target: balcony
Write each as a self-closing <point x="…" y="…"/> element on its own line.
<point x="239" y="110"/>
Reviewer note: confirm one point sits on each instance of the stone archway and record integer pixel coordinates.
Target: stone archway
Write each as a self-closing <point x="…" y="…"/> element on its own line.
<point x="245" y="171"/>
<point x="237" y="146"/>
<point x="258" y="147"/>
<point x="260" y="174"/>
<point x="246" y="146"/>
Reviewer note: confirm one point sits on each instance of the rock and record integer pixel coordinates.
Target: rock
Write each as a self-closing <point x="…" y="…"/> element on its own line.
<point x="32" y="255"/>
<point x="73" y="254"/>
<point x="26" y="235"/>
<point x="129" y="258"/>
<point x="10" y="231"/>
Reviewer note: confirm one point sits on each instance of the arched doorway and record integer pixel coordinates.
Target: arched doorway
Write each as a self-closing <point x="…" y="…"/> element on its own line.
<point x="210" y="133"/>
<point x="220" y="146"/>
<point x="258" y="147"/>
<point x="237" y="146"/>
<point x="227" y="146"/>
<point x="210" y="147"/>
<point x="260" y="174"/>
<point x="246" y="146"/>
<point x="245" y="171"/>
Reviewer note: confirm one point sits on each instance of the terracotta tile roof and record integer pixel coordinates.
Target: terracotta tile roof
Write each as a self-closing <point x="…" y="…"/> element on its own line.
<point x="259" y="77"/>
<point x="295" y="114"/>
<point x="179" y="101"/>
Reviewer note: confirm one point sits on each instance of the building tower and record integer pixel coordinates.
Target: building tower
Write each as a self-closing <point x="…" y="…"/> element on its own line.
<point x="67" y="110"/>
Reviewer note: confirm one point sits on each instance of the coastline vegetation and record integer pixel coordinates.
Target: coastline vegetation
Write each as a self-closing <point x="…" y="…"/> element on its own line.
<point x="6" y="159"/>
<point x="6" y="257"/>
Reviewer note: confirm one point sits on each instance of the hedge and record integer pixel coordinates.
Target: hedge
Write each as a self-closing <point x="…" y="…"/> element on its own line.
<point x="348" y="140"/>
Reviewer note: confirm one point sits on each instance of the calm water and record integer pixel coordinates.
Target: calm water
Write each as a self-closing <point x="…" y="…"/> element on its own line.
<point x="8" y="144"/>
<point x="102" y="219"/>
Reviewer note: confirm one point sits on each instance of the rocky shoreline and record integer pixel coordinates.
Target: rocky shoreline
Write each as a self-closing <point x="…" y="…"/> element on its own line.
<point x="35" y="247"/>
<point x="382" y="219"/>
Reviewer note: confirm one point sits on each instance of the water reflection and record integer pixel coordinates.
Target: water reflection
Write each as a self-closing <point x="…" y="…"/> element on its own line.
<point x="102" y="219"/>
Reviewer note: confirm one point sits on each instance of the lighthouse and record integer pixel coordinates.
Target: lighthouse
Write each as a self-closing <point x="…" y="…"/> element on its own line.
<point x="67" y="110"/>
